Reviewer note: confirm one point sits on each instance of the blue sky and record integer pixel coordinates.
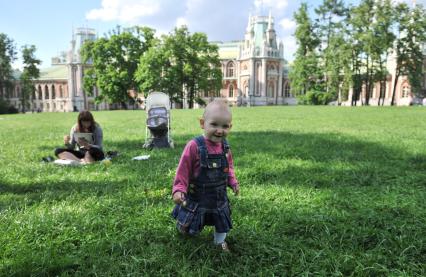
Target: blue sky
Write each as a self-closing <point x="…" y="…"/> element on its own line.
<point x="48" y="24"/>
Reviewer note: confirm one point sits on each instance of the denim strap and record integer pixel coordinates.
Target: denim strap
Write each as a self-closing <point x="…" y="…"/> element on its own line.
<point x="202" y="149"/>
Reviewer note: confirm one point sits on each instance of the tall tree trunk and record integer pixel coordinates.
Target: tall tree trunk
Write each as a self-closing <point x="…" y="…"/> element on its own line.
<point x="381" y="93"/>
<point x="191" y="98"/>
<point x="23" y="102"/>
<point x="367" y="83"/>
<point x="397" y="72"/>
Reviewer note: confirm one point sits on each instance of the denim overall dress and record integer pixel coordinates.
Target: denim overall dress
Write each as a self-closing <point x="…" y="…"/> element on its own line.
<point x="206" y="202"/>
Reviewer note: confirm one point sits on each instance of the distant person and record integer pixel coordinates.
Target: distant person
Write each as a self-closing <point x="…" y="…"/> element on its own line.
<point x="239" y="99"/>
<point x="204" y="172"/>
<point x="79" y="149"/>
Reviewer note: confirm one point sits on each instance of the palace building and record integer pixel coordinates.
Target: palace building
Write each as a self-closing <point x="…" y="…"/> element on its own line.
<point x="60" y="86"/>
<point x="254" y="70"/>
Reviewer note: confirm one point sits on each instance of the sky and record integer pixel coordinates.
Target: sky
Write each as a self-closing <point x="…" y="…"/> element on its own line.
<point x="48" y="24"/>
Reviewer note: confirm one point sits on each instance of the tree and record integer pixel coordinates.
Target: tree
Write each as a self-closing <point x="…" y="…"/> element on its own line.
<point x="7" y="57"/>
<point x="202" y="67"/>
<point x="305" y="74"/>
<point x="383" y="40"/>
<point x="181" y="63"/>
<point x="363" y="17"/>
<point x="409" y="55"/>
<point x="330" y="31"/>
<point x="29" y="73"/>
<point x="114" y="61"/>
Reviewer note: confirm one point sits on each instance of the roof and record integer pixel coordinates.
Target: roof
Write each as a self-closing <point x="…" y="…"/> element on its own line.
<point x="57" y="72"/>
<point x="228" y="50"/>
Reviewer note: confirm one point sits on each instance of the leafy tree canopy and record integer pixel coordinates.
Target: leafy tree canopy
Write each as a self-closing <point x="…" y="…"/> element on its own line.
<point x="181" y="62"/>
<point x="29" y="73"/>
<point x="113" y="61"/>
<point x="7" y="57"/>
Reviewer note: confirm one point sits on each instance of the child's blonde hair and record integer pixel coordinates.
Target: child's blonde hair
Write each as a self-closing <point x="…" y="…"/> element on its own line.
<point x="221" y="104"/>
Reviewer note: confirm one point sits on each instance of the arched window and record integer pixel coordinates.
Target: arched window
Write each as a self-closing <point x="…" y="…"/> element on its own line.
<point x="61" y="92"/>
<point x="287" y="92"/>
<point x="231" y="91"/>
<point x="405" y="91"/>
<point x="40" y="93"/>
<point x="271" y="90"/>
<point x="230" y="70"/>
<point x="46" y="92"/>
<point x="53" y="92"/>
<point x="18" y="92"/>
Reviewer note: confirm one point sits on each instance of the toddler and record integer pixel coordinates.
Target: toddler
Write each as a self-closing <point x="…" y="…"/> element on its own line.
<point x="203" y="174"/>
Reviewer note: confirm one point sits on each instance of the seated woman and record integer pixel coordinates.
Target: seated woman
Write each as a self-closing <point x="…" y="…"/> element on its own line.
<point x="79" y="149"/>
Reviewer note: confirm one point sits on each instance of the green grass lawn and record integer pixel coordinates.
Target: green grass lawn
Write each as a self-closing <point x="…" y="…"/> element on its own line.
<point x="325" y="191"/>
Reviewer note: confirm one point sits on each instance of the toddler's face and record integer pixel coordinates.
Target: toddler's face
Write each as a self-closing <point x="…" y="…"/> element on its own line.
<point x="216" y="126"/>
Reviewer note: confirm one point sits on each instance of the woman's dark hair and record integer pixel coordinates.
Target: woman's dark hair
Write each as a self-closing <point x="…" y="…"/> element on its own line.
<point x="85" y="116"/>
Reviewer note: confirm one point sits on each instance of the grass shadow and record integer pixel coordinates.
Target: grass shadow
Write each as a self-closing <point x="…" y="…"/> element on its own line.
<point x="322" y="160"/>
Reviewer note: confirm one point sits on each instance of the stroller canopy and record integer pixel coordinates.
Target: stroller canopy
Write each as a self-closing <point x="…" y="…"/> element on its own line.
<point x="157" y="99"/>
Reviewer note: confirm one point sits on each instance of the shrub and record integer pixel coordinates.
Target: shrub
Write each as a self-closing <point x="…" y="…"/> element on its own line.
<point x="6" y="108"/>
<point x="318" y="98"/>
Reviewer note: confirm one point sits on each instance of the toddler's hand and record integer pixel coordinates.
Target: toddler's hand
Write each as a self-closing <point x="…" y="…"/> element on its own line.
<point x="67" y="139"/>
<point x="178" y="197"/>
<point x="236" y="190"/>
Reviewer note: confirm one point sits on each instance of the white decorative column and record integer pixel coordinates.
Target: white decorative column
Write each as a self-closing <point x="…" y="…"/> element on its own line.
<point x="280" y="81"/>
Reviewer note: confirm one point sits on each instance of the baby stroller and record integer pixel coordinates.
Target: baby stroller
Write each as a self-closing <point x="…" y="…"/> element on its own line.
<point x="157" y="105"/>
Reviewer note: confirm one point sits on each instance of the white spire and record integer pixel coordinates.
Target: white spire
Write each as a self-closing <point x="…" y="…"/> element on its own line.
<point x="270" y="21"/>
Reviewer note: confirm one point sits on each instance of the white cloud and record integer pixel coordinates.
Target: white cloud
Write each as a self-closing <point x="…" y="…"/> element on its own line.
<point x="208" y="16"/>
<point x="133" y="12"/>
<point x="180" y="21"/>
<point x="290" y="47"/>
<point x="124" y="10"/>
<point x="270" y="4"/>
<point x="409" y="2"/>
<point x="287" y="24"/>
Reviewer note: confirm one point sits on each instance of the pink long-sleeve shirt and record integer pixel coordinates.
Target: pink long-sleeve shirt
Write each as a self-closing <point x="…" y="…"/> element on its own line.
<point x="189" y="165"/>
